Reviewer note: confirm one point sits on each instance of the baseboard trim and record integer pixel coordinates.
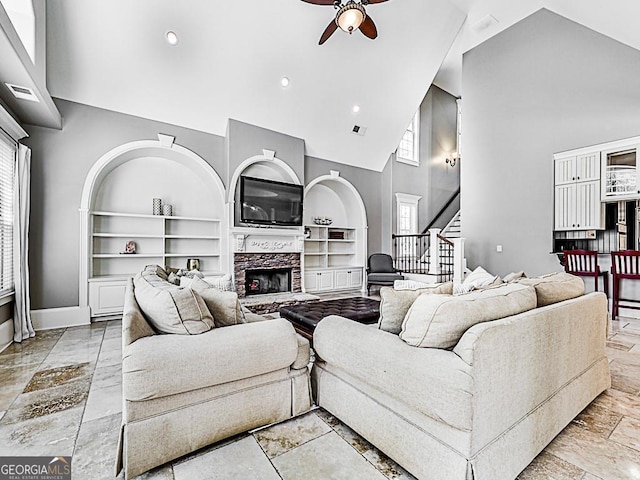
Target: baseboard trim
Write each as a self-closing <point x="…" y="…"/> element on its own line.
<point x="49" y="318"/>
<point x="6" y="334"/>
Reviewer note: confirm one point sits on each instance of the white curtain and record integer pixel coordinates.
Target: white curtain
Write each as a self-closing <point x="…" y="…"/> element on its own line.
<point x="21" y="206"/>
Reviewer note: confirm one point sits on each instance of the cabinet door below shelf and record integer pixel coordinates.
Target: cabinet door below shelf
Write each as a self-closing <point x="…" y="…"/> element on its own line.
<point x="106" y="297"/>
<point x="348" y="278"/>
<point x="317" y="281"/>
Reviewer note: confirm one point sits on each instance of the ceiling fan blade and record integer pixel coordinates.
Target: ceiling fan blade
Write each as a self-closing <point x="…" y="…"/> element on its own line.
<point x="368" y="28"/>
<point x="320" y="2"/>
<point x="332" y="27"/>
<point x="372" y="1"/>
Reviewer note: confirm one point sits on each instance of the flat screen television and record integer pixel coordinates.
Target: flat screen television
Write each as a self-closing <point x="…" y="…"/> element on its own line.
<point x="267" y="202"/>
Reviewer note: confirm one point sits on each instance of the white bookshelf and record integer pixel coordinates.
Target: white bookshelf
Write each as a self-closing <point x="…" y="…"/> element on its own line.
<point x="163" y="240"/>
<point x="335" y="254"/>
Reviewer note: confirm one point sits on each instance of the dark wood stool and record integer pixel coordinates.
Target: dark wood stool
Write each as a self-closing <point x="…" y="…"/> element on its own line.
<point x="625" y="265"/>
<point x="584" y="263"/>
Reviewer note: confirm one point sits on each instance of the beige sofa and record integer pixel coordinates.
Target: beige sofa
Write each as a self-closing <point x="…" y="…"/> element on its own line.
<point x="183" y="392"/>
<point x="481" y="410"/>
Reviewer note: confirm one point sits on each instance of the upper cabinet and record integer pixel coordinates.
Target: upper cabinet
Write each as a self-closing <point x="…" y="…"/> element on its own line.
<point x="587" y="177"/>
<point x="578" y="168"/>
<point x="620" y="173"/>
<point x="577" y="192"/>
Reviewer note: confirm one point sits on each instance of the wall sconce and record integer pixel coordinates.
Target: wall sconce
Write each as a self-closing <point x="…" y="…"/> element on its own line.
<point x="452" y="158"/>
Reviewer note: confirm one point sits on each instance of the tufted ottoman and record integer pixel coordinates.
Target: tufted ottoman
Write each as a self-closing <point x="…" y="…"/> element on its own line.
<point x="306" y="316"/>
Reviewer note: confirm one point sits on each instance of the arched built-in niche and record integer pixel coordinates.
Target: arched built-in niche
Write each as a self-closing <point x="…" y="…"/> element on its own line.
<point x="338" y="262"/>
<point x="265" y="166"/>
<point x="116" y="206"/>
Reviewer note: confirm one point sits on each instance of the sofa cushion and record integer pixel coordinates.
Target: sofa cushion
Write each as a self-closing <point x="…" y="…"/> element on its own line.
<point x="162" y="365"/>
<point x="554" y="287"/>
<point x="224" y="306"/>
<point x="435" y="382"/>
<point x="169" y="308"/>
<point x="395" y="304"/>
<point x="439" y="321"/>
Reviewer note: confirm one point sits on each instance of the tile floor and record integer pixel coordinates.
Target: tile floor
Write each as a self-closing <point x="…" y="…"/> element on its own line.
<point x="60" y="394"/>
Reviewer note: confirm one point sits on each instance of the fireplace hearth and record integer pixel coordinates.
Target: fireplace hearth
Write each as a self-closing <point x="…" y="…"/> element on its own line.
<point x="264" y="281"/>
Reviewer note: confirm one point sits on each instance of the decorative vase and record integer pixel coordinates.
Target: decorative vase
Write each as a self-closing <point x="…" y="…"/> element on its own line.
<point x="167" y="210"/>
<point x="157" y="206"/>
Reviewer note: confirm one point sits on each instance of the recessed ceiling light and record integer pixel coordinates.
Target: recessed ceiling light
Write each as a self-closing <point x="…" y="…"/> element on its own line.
<point x="172" y="38"/>
<point x="356" y="108"/>
<point x="284" y="81"/>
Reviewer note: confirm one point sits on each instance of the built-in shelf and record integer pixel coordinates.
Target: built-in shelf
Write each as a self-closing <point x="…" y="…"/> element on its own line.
<point x="166" y="240"/>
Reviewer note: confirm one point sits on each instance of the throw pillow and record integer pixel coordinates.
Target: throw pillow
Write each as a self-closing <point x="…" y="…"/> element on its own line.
<point x="476" y="279"/>
<point x="221" y="283"/>
<point x="224" y="306"/>
<point x="169" y="308"/>
<point x="394" y="304"/>
<point x="555" y="287"/>
<point x="513" y="276"/>
<point x="411" y="285"/>
<point x="438" y="321"/>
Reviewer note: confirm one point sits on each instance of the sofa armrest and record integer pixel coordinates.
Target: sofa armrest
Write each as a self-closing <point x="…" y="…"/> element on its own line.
<point x="162" y="365"/>
<point x="519" y="362"/>
<point x="304" y="353"/>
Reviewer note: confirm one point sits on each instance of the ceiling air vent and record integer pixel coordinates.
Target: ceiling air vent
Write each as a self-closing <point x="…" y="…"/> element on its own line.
<point x="22" y="93"/>
<point x="358" y="130"/>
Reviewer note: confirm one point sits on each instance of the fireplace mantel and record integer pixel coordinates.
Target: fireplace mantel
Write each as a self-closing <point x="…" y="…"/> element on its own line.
<point x="267" y="240"/>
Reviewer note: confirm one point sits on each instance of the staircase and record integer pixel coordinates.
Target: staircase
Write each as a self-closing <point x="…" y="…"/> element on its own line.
<point x="412" y="253"/>
<point x="452" y="229"/>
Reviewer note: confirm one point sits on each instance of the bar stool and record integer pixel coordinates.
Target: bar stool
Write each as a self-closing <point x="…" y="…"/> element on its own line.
<point x="625" y="265"/>
<point x="584" y="263"/>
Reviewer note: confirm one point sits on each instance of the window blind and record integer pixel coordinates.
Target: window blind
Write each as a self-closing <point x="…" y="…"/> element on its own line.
<point x="8" y="152"/>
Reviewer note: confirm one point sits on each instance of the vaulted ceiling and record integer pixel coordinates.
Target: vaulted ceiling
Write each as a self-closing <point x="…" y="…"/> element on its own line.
<point x="231" y="57"/>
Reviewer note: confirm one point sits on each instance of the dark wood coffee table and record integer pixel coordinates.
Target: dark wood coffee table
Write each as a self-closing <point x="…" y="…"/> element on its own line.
<point x="305" y="317"/>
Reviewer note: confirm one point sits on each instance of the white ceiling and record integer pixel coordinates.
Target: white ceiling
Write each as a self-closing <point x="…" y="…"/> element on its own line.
<point x="232" y="54"/>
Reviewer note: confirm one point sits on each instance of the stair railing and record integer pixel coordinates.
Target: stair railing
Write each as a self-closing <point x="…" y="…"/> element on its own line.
<point x="429" y="254"/>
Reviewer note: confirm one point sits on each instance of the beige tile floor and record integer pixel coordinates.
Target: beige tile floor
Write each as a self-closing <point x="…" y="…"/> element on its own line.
<point x="60" y="394"/>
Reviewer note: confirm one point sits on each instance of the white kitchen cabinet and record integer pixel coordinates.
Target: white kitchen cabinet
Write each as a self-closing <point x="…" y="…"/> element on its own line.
<point x="577" y="192"/>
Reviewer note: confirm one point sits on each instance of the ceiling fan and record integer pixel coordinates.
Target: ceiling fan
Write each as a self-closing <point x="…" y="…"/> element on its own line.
<point x="349" y="17"/>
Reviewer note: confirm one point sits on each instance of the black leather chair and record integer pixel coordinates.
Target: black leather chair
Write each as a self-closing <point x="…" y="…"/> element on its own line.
<point x="380" y="271"/>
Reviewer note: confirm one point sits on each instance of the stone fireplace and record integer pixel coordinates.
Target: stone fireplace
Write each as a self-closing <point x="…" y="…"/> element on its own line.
<point x="267" y="272"/>
<point x="263" y="281"/>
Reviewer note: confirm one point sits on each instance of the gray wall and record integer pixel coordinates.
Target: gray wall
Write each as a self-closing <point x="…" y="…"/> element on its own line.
<point x="245" y="141"/>
<point x="544" y="85"/>
<point x="60" y="163"/>
<point x="433" y="180"/>
<point x="367" y="182"/>
<point x="62" y="159"/>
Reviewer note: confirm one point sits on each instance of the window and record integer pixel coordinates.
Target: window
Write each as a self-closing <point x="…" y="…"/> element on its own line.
<point x="407" y="213"/>
<point x="408" y="150"/>
<point x="8" y="152"/>
<point x="407" y="221"/>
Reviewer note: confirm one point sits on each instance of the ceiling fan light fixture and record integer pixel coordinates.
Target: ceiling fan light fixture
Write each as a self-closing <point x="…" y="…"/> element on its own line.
<point x="350" y="16"/>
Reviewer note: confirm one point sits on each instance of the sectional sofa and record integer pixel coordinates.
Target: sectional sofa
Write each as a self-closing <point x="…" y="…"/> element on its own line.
<point x="204" y="382"/>
<point x="472" y="387"/>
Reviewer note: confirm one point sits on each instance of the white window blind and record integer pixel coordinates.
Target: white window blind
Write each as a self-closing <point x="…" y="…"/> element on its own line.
<point x="8" y="151"/>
